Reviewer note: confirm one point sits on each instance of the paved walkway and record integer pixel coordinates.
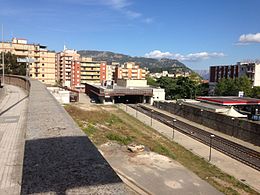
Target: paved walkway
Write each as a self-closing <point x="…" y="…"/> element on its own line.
<point x="237" y="169"/>
<point x="13" y="112"/>
<point x="59" y="158"/>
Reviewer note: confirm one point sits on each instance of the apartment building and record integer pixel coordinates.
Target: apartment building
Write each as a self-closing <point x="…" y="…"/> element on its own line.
<point x="92" y="71"/>
<point x="251" y="70"/>
<point x="40" y="60"/>
<point x="129" y="70"/>
<point x="68" y="68"/>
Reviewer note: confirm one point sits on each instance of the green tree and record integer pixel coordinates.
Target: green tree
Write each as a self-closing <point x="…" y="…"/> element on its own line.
<point x="203" y="89"/>
<point x="256" y="92"/>
<point x="151" y="81"/>
<point x="231" y="87"/>
<point x="181" y="87"/>
<point x="12" y="66"/>
<point x="169" y="84"/>
<point x="244" y="84"/>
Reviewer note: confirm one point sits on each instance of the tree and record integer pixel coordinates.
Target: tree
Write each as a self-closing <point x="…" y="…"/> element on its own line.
<point x="203" y="89"/>
<point x="151" y="81"/>
<point x="169" y="84"/>
<point x="175" y="88"/>
<point x="12" y="66"/>
<point x="256" y="92"/>
<point x="231" y="87"/>
<point x="245" y="85"/>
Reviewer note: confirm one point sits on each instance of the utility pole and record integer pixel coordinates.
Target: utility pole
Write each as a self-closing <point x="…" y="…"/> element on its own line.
<point x="173" y="126"/>
<point x="3" y="56"/>
<point x="210" y="145"/>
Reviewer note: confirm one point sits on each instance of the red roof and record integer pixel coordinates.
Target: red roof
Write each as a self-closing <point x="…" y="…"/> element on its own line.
<point x="230" y="100"/>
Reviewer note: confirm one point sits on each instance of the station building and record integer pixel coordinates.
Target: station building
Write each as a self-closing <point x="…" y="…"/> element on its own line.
<point x="124" y="91"/>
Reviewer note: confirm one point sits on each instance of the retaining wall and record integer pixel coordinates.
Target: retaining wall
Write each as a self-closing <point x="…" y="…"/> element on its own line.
<point x="20" y="81"/>
<point x="58" y="157"/>
<point x="243" y="129"/>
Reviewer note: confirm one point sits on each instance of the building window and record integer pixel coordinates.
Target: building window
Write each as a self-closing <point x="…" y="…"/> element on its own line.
<point x="42" y="64"/>
<point x="42" y="69"/>
<point x="43" y="81"/>
<point x="42" y="75"/>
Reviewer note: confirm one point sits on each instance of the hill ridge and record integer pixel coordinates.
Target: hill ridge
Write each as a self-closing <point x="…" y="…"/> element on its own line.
<point x="154" y="65"/>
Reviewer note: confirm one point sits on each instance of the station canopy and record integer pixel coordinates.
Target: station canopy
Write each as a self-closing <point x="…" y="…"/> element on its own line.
<point x="229" y="100"/>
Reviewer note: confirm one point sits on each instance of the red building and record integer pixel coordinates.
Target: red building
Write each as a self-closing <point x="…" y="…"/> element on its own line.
<point x="103" y="72"/>
<point x="75" y="74"/>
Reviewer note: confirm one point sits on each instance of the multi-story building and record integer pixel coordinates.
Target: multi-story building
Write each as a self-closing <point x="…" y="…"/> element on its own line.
<point x="251" y="70"/>
<point x="75" y="74"/>
<point x="68" y="68"/>
<point x="37" y="57"/>
<point x="110" y="69"/>
<point x="129" y="70"/>
<point x="92" y="71"/>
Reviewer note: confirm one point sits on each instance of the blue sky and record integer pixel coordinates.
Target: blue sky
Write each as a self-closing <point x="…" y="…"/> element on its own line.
<point x="199" y="33"/>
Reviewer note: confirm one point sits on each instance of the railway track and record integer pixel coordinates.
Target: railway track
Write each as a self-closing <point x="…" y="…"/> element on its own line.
<point x="241" y="153"/>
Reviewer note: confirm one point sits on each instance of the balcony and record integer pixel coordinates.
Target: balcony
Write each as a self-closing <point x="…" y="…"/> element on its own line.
<point x="93" y="73"/>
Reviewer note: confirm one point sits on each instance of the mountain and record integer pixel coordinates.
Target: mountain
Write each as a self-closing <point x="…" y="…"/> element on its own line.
<point x="203" y="73"/>
<point x="154" y="65"/>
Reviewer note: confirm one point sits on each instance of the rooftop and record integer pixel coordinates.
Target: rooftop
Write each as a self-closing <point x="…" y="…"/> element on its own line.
<point x="230" y="100"/>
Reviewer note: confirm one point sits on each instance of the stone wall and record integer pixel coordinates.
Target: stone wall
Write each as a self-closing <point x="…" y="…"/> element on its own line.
<point x="58" y="157"/>
<point x="240" y="128"/>
<point x="20" y="81"/>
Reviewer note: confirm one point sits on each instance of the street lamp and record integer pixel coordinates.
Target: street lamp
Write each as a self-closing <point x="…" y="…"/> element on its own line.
<point x="201" y="110"/>
<point x="126" y="106"/>
<point x="152" y="117"/>
<point x="233" y="121"/>
<point x="136" y="111"/>
<point x="210" y="145"/>
<point x="173" y="126"/>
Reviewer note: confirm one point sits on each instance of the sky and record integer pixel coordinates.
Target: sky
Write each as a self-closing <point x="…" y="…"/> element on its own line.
<point x="199" y="33"/>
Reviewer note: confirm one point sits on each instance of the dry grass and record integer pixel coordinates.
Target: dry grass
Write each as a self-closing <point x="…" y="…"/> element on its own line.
<point x="102" y="126"/>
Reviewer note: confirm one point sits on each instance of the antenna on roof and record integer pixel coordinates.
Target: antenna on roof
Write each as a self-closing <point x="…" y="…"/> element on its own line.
<point x="64" y="46"/>
<point x="3" y="56"/>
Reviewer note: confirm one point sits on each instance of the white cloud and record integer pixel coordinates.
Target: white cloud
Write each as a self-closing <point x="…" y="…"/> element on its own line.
<point x="132" y="14"/>
<point x="250" y="38"/>
<point x="158" y="54"/>
<point x="117" y="4"/>
<point x="148" y="20"/>
<point x="189" y="57"/>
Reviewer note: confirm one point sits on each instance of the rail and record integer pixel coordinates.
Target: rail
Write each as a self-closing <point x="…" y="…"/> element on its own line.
<point x="241" y="153"/>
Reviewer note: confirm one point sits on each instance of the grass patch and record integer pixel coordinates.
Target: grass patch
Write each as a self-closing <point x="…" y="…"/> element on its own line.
<point x="90" y="129"/>
<point x="118" y="126"/>
<point x="163" y="151"/>
<point x="125" y="140"/>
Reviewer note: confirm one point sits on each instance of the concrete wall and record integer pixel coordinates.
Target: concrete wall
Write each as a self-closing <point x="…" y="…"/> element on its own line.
<point x="158" y="95"/>
<point x="132" y="83"/>
<point x="257" y="75"/>
<point x="240" y="128"/>
<point x="58" y="157"/>
<point x="20" y="81"/>
<point x="61" y="95"/>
